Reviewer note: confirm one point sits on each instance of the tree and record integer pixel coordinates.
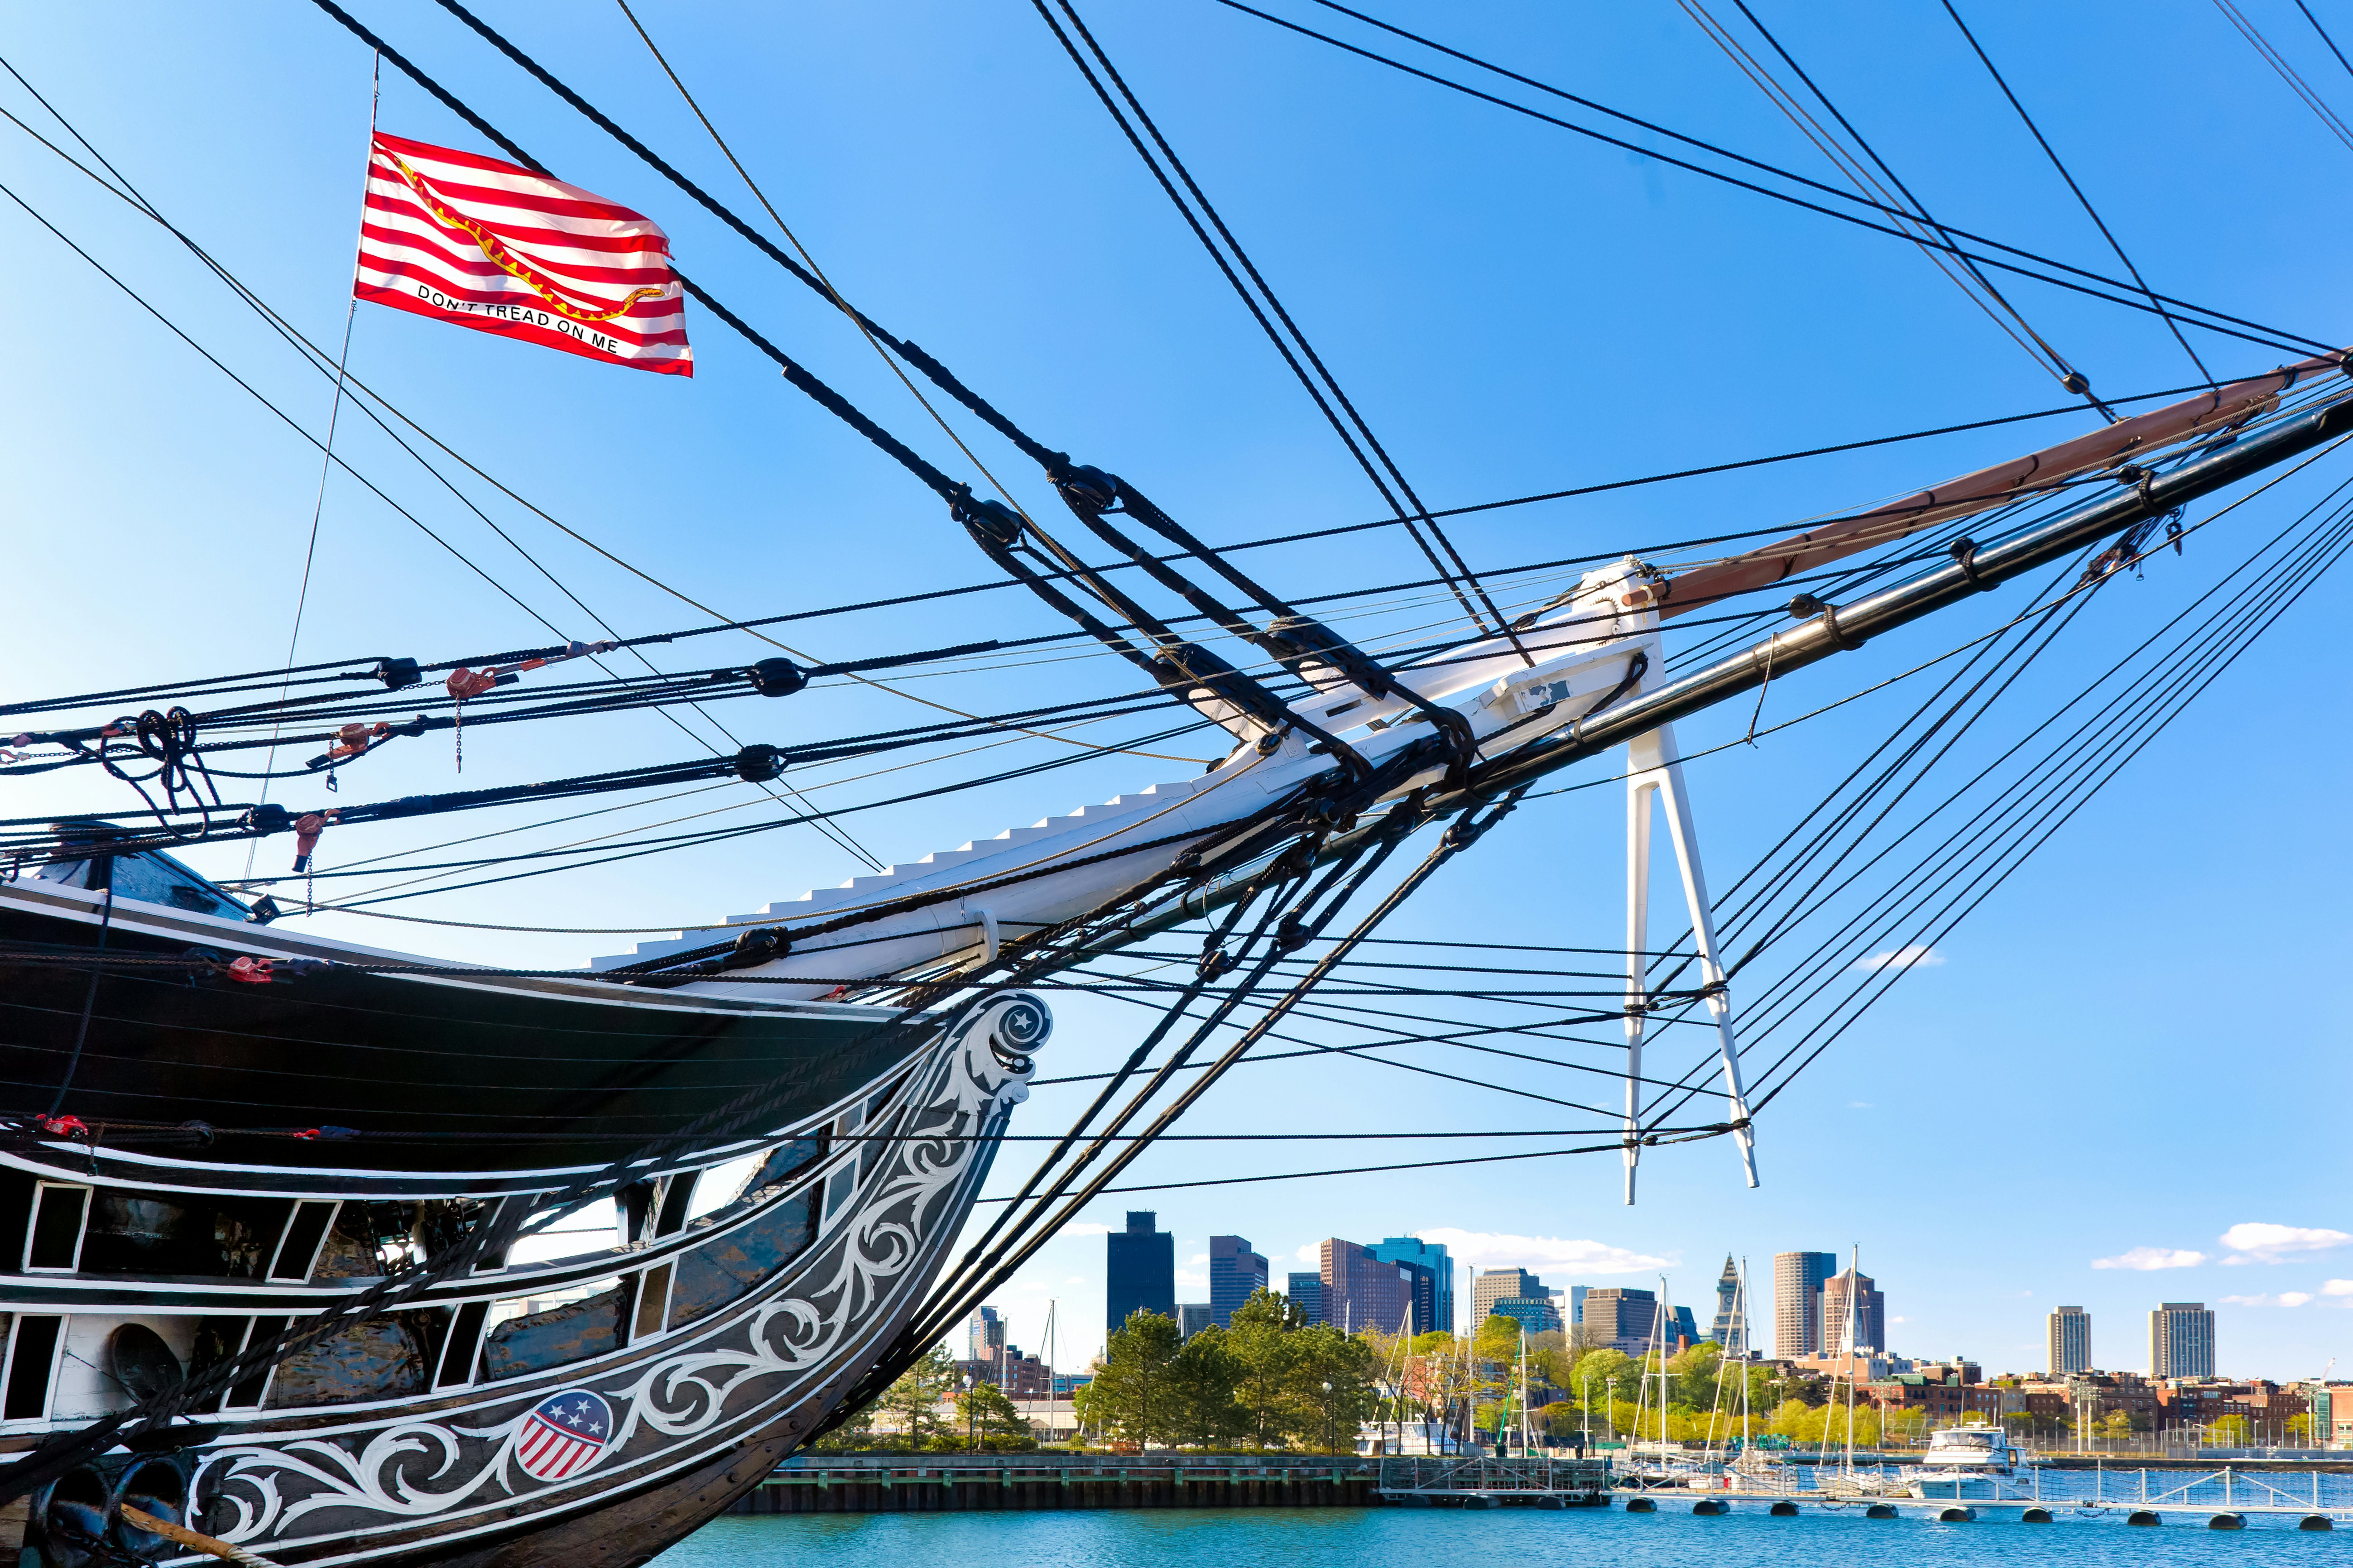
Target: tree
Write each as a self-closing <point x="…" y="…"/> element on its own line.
<point x="1131" y="1394"/>
<point x="915" y="1398"/>
<point x="1260" y="1343"/>
<point x="1693" y="1376"/>
<point x="1202" y="1409"/>
<point x="1612" y="1373"/>
<point x="1331" y="1387"/>
<point x="986" y="1414"/>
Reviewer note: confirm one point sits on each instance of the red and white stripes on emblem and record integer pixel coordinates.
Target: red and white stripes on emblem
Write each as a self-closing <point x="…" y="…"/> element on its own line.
<point x="551" y="1454"/>
<point x="497" y="247"/>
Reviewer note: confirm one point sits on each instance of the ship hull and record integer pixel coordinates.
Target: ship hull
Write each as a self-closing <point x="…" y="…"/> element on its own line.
<point x="694" y="1344"/>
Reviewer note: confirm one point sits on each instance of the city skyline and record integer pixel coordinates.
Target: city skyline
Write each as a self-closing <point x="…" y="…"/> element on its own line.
<point x="2182" y="1336"/>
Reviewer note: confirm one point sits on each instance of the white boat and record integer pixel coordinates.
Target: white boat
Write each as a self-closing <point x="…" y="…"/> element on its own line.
<point x="1964" y="1462"/>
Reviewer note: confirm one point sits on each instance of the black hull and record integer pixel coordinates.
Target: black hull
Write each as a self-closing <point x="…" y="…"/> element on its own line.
<point x="714" y="1329"/>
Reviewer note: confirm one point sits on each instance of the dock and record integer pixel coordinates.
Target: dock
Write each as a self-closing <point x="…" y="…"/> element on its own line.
<point x="911" y="1483"/>
<point x="2221" y="1499"/>
<point x="1414" y="1481"/>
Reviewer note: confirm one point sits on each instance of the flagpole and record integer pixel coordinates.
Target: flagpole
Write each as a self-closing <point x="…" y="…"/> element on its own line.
<point x="326" y="465"/>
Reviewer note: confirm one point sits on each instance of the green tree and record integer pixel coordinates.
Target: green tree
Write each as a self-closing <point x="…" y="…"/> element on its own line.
<point x="1692" y="1376"/>
<point x="1331" y="1387"/>
<point x="914" y="1400"/>
<point x="1203" y="1410"/>
<point x="1261" y="1342"/>
<point x="985" y="1415"/>
<point x="1131" y="1396"/>
<point x="1612" y="1373"/>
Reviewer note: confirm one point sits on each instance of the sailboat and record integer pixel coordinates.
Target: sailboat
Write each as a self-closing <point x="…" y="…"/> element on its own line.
<point x="469" y="1264"/>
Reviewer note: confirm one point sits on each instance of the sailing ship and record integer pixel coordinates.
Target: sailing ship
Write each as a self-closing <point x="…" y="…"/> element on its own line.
<point x="341" y="1254"/>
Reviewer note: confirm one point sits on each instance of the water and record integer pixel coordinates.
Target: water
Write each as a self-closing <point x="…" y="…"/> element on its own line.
<point x="1311" y="1538"/>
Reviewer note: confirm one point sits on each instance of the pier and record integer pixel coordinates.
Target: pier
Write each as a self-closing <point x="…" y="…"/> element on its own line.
<point x="2223" y="1498"/>
<point x="909" y="1483"/>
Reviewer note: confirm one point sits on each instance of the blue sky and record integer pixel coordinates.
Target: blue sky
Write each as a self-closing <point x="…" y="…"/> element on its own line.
<point x="2126" y="1059"/>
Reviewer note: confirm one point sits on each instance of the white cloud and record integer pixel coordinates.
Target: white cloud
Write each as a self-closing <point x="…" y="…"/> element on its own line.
<point x="1899" y="1320"/>
<point x="2338" y="1287"/>
<point x="1088" y="1229"/>
<point x="2152" y="1258"/>
<point x="1311" y="1254"/>
<point x="2294" y="1298"/>
<point x="1488" y="1249"/>
<point x="1858" y="1105"/>
<point x="2262" y="1242"/>
<point x="1187" y="1277"/>
<point x="1914" y="956"/>
<point x="1198" y="1258"/>
<point x="2285" y="1299"/>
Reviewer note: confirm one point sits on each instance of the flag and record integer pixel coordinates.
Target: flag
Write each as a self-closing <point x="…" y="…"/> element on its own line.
<point x="500" y="249"/>
<point x="564" y="1436"/>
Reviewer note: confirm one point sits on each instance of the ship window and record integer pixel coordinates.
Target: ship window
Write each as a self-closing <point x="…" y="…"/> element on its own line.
<point x="32" y="1357"/>
<point x="530" y="1333"/>
<point x="594" y="1227"/>
<point x="730" y="1266"/>
<point x="54" y="1245"/>
<point x="383" y="1358"/>
<point x="298" y="1250"/>
<point x="183" y="1234"/>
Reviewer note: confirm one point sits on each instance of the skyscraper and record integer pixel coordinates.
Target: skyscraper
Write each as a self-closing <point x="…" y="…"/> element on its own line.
<point x="1192" y="1317"/>
<point x="984" y="1336"/>
<point x="1361" y="1291"/>
<point x="1497" y="1285"/>
<point x="1620" y="1317"/>
<point x="1235" y="1271"/>
<point x="1852" y="1305"/>
<point x="2071" y="1341"/>
<point x="1421" y="1290"/>
<point x="1680" y="1326"/>
<point x="1306" y="1292"/>
<point x="1432" y="1257"/>
<point x="1798" y="1300"/>
<point x="2181" y="1340"/>
<point x="1139" y="1270"/>
<point x="1730" y="1328"/>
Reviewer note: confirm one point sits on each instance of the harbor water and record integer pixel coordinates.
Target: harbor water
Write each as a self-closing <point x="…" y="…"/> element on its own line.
<point x="1610" y="1537"/>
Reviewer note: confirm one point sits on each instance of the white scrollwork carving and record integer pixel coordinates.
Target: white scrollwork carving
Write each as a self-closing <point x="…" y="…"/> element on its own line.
<point x="911" y="1206"/>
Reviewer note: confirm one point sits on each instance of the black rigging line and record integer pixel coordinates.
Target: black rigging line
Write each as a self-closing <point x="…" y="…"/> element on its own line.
<point x="2294" y="343"/>
<point x="825" y="396"/>
<point x="1323" y="380"/>
<point x="2288" y="73"/>
<point x="2324" y="38"/>
<point x="139" y="300"/>
<point x="2067" y="375"/>
<point x="2049" y="152"/>
<point x="2119" y="727"/>
<point x="131" y="192"/>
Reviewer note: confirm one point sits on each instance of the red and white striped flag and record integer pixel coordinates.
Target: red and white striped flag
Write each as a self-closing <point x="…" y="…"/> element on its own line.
<point x="497" y="247"/>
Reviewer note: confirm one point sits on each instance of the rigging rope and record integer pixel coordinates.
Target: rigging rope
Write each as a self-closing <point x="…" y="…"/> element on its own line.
<point x="2254" y="331"/>
<point x="2101" y="223"/>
